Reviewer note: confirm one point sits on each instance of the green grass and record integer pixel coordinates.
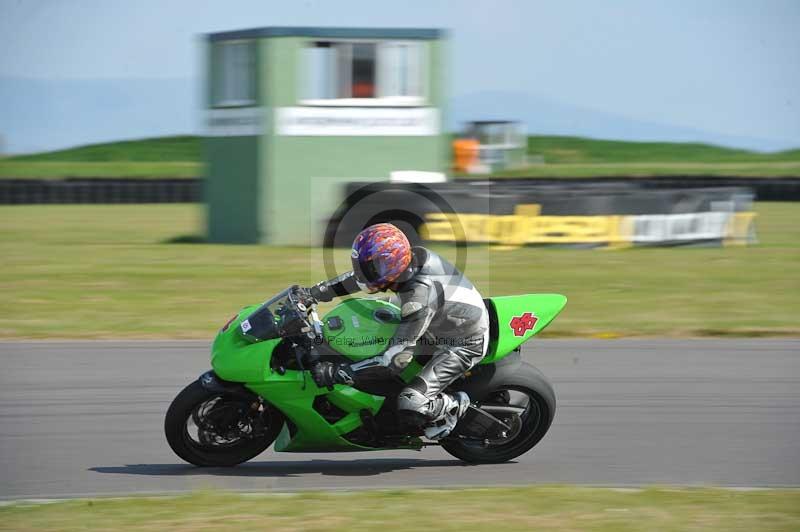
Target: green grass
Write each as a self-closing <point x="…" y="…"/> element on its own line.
<point x="564" y="157"/>
<point x="579" y="150"/>
<point x="155" y="170"/>
<point x="652" y="169"/>
<point x="180" y="148"/>
<point x="59" y="170"/>
<point x="583" y="157"/>
<point x="106" y="271"/>
<point x="508" y="509"/>
<point x="151" y="158"/>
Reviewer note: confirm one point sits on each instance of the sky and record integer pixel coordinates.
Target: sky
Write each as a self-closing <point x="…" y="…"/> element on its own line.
<point x="723" y="69"/>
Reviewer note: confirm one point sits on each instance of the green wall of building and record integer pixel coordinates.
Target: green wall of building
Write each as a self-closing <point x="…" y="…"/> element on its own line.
<point x="232" y="176"/>
<point x="231" y="189"/>
<point x="279" y="189"/>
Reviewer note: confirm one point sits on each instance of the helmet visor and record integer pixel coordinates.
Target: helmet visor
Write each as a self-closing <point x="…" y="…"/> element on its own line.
<point x="367" y="275"/>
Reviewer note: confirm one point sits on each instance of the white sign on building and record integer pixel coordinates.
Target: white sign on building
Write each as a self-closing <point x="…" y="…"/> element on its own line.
<point x="235" y="122"/>
<point x="356" y="121"/>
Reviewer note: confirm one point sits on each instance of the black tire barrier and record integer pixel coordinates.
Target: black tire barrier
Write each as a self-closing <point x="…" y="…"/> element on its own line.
<point x="764" y="188"/>
<point x="101" y="190"/>
<point x="189" y="190"/>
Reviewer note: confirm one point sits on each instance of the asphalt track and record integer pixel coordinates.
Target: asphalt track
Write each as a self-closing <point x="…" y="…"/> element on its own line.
<point x="85" y="418"/>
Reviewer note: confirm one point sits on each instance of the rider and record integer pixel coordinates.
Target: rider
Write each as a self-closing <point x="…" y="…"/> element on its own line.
<point x="437" y="301"/>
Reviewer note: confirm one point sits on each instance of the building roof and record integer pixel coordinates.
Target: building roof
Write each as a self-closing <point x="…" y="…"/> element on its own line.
<point x="328" y="33"/>
<point x="490" y="122"/>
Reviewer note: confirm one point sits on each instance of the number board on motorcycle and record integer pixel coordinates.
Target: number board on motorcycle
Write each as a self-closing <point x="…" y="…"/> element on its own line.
<point x="523" y="323"/>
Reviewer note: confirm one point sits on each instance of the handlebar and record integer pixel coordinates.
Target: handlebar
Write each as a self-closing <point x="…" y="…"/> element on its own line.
<point x="307" y="304"/>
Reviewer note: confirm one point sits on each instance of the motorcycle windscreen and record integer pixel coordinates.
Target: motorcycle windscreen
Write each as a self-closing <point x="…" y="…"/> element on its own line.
<point x="517" y="318"/>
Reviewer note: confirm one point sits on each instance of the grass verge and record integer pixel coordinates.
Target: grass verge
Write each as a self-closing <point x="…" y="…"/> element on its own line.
<point x="175" y="148"/>
<point x="121" y="271"/>
<point x="180" y="156"/>
<point x="114" y="169"/>
<point x="146" y="158"/>
<point x="651" y="169"/>
<point x="582" y="150"/>
<point x="156" y="170"/>
<point x="529" y="508"/>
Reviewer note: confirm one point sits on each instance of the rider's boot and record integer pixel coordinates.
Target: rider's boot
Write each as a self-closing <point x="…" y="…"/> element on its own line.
<point x="438" y="415"/>
<point x="450" y="408"/>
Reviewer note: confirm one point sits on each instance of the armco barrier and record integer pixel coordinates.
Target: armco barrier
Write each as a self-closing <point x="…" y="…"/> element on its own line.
<point x="101" y="190"/>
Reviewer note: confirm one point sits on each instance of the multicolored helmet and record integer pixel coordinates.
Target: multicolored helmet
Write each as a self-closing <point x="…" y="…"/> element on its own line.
<point x="381" y="254"/>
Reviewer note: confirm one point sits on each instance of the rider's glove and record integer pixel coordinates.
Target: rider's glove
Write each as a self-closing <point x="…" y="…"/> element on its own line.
<point x="321" y="292"/>
<point x="326" y="374"/>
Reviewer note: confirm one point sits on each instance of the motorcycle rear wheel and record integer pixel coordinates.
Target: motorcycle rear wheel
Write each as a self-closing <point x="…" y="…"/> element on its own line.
<point x="208" y="428"/>
<point x="527" y="429"/>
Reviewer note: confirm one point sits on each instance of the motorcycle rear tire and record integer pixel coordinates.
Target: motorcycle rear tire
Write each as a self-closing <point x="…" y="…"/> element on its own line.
<point x="531" y="381"/>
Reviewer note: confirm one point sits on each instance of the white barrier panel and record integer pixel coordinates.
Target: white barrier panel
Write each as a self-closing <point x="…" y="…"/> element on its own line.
<point x="698" y="226"/>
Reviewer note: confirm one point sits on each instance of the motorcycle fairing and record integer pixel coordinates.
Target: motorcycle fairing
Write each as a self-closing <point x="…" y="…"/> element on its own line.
<point x="236" y="359"/>
<point x="293" y="392"/>
<point x="517" y="319"/>
<point x="360" y="328"/>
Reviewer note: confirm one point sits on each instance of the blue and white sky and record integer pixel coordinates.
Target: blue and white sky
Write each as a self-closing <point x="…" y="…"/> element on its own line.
<point x="716" y="71"/>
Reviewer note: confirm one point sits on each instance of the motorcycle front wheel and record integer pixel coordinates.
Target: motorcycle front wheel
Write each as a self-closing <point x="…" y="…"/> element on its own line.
<point x="534" y="406"/>
<point x="209" y="428"/>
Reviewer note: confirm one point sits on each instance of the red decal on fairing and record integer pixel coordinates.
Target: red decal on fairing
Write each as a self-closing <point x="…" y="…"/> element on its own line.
<point x="228" y="324"/>
<point x="523" y="323"/>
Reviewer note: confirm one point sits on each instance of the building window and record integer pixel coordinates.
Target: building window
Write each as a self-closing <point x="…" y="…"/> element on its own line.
<point x="235" y="74"/>
<point x="362" y="79"/>
<point x="402" y="69"/>
<point x="363" y="73"/>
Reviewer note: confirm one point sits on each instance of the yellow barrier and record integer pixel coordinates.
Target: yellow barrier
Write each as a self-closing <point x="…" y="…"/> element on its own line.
<point x="741" y="229"/>
<point x="526" y="226"/>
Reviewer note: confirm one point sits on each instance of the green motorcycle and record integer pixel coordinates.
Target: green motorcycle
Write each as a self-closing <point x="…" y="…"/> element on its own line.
<point x="260" y="391"/>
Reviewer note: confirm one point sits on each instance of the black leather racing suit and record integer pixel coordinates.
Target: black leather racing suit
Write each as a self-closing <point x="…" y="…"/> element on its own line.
<point x="438" y="305"/>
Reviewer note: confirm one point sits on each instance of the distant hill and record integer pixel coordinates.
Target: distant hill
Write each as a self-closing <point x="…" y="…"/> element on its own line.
<point x="555" y="149"/>
<point x="48" y="114"/>
<point x="579" y="150"/>
<point x="183" y="148"/>
<point x="544" y="116"/>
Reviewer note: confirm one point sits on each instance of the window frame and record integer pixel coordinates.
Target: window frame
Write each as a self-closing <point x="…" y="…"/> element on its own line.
<point x="220" y="75"/>
<point x="380" y="75"/>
